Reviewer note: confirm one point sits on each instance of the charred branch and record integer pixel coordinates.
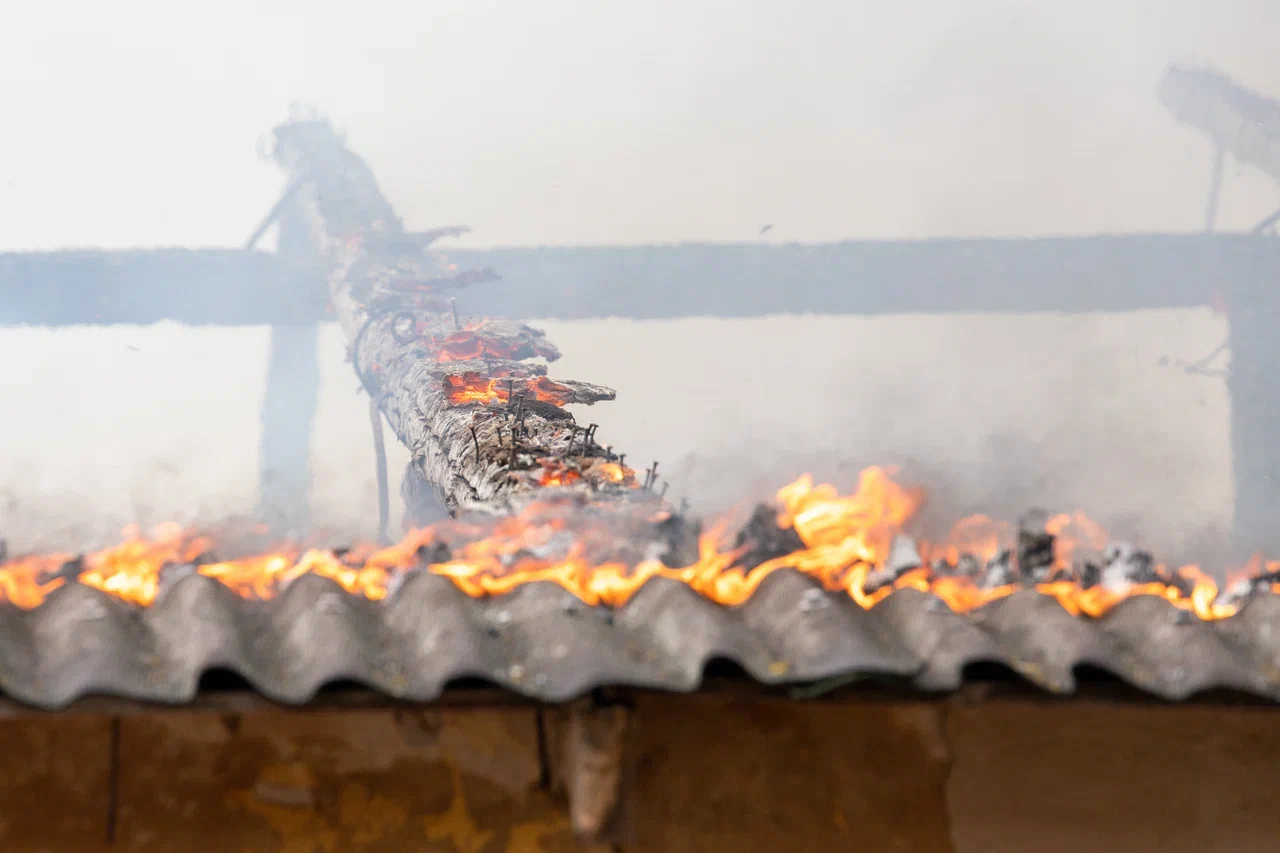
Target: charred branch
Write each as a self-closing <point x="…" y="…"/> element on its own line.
<point x="1241" y="122"/>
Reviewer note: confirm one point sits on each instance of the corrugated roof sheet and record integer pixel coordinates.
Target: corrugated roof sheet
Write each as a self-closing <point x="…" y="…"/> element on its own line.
<point x="542" y="642"/>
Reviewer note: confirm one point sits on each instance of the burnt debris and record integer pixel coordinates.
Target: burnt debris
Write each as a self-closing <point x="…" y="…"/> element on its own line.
<point x="764" y="540"/>
<point x="1035" y="546"/>
<point x="1033" y="558"/>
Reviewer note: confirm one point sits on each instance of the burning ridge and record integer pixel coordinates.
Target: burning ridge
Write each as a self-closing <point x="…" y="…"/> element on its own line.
<point x="603" y="550"/>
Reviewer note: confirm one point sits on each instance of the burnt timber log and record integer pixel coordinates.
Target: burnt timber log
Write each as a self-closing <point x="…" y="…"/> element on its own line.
<point x="866" y="277"/>
<point x="481" y="423"/>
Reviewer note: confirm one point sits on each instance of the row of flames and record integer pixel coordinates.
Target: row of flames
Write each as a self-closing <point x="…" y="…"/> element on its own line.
<point x="845" y="537"/>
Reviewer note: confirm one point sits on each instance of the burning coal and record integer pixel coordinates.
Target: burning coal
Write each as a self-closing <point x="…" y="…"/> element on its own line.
<point x="604" y="550"/>
<point x="466" y="388"/>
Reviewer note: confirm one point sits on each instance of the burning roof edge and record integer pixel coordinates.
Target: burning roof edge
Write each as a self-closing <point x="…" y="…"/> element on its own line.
<point x="545" y="644"/>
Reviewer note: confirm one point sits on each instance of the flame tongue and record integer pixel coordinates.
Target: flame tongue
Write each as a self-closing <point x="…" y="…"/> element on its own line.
<point x="603" y="552"/>
<point x="492" y="340"/>
<point x="499" y="386"/>
<point x="857" y="528"/>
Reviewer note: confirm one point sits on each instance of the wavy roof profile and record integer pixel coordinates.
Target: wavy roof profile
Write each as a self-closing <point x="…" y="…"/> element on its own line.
<point x="542" y="642"/>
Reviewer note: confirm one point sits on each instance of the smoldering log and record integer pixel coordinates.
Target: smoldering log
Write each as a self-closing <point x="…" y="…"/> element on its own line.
<point x="481" y="423"/>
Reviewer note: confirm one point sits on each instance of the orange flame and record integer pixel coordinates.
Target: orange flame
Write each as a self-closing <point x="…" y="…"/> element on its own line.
<point x="555" y="472"/>
<point x="472" y="342"/>
<point x="468" y="344"/>
<point x="615" y="473"/>
<point x="468" y="388"/>
<point x="845" y="538"/>
<point x="559" y="477"/>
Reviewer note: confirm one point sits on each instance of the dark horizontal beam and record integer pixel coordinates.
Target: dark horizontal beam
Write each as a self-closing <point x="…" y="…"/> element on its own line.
<point x="1076" y="274"/>
<point x="869" y="277"/>
<point x="197" y="286"/>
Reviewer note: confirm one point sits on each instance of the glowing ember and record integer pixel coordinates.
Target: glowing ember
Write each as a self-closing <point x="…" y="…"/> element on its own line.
<point x="615" y="473"/>
<point x="470" y="388"/>
<point x="469" y="344"/>
<point x="556" y="472"/>
<point x="476" y="342"/>
<point x="559" y="477"/>
<point x="604" y="554"/>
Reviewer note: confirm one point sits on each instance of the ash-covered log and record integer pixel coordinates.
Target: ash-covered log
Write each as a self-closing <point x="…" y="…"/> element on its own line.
<point x="482" y="423"/>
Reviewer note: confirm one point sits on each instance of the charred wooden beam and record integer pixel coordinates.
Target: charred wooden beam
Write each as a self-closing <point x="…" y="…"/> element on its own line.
<point x="480" y="422"/>
<point x="233" y="287"/>
<point x="1255" y="416"/>
<point x="291" y="396"/>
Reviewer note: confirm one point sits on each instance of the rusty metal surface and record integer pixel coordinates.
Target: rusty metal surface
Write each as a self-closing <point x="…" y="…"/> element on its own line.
<point x="541" y="642"/>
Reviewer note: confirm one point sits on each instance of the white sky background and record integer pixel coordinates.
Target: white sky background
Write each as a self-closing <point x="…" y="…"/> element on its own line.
<point x="568" y="121"/>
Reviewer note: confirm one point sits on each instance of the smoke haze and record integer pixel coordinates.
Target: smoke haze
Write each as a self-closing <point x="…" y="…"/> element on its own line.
<point x="1085" y="416"/>
<point x="568" y="122"/>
